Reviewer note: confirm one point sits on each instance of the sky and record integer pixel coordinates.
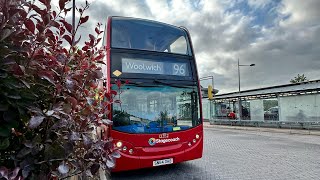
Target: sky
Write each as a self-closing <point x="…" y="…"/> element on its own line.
<point x="281" y="37"/>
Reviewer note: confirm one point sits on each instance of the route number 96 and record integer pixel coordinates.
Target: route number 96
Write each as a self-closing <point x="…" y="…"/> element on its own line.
<point x="179" y="69"/>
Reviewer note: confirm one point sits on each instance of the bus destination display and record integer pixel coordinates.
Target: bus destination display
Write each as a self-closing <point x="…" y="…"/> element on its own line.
<point x="154" y="67"/>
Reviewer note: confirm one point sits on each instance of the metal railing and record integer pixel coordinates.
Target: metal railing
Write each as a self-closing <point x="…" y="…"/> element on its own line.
<point x="306" y="125"/>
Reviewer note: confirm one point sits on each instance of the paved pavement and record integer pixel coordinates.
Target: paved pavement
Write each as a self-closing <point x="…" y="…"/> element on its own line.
<point x="244" y="155"/>
<point x="265" y="129"/>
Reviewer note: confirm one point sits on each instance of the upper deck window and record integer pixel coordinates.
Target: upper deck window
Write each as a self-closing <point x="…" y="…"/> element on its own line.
<point x="148" y="35"/>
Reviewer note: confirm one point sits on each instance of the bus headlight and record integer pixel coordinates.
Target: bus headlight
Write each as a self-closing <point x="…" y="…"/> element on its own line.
<point x="197" y="136"/>
<point x="119" y="144"/>
<point x="194" y="140"/>
<point x="124" y="148"/>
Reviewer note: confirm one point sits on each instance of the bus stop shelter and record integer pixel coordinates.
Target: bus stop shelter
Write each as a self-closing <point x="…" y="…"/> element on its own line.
<point x="293" y="105"/>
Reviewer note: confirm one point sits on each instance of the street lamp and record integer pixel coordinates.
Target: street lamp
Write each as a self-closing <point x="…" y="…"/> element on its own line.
<point x="239" y="100"/>
<point x="210" y="100"/>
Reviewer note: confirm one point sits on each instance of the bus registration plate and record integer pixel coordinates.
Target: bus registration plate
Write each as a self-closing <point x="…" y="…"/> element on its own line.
<point x="163" y="162"/>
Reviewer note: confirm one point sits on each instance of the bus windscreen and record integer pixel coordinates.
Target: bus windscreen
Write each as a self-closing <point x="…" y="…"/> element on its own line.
<point x="156" y="109"/>
<point x="148" y="35"/>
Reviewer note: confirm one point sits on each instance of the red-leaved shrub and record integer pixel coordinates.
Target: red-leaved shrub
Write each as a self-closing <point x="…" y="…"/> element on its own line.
<point x="50" y="103"/>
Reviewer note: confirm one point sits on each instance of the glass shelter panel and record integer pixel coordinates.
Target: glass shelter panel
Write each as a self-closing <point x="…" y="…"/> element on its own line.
<point x="271" y="109"/>
<point x="256" y="110"/>
<point x="299" y="108"/>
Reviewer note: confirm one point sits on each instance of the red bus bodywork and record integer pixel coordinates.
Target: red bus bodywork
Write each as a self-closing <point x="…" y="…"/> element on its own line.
<point x="144" y="154"/>
<point x="188" y="147"/>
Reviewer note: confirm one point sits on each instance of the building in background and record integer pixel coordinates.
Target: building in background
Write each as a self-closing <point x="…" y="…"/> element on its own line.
<point x="298" y="102"/>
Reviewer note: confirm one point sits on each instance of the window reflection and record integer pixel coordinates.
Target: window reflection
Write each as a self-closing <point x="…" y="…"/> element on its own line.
<point x="156" y="109"/>
<point x="148" y="35"/>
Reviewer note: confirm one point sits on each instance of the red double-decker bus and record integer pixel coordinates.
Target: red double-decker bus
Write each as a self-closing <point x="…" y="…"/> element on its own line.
<point x="159" y="119"/>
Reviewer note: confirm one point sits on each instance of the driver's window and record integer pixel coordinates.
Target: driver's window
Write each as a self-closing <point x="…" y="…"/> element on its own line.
<point x="179" y="46"/>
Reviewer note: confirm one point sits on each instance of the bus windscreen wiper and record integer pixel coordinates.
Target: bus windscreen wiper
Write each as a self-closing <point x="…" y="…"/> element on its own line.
<point x="173" y="84"/>
<point x="142" y="84"/>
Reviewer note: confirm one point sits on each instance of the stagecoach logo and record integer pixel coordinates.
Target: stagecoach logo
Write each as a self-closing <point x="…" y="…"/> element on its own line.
<point x="153" y="141"/>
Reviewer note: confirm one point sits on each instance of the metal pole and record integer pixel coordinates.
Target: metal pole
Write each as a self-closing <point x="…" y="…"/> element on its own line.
<point x="239" y="100"/>
<point x="211" y="110"/>
<point x="73" y="19"/>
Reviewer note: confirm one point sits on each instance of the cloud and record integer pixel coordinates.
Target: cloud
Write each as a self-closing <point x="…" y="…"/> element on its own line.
<point x="258" y="4"/>
<point x="281" y="37"/>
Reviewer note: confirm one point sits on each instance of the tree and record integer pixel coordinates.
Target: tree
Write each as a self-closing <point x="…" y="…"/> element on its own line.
<point x="50" y="104"/>
<point x="299" y="78"/>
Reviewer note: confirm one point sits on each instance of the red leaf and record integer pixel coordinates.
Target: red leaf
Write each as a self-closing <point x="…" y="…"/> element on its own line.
<point x="68" y="38"/>
<point x="67" y="10"/>
<point x="23" y="14"/>
<point x="79" y="52"/>
<point x="65" y="50"/>
<point x="66" y="69"/>
<point x="84" y="19"/>
<point x="92" y="38"/>
<point x="73" y="102"/>
<point x="62" y="4"/>
<point x="67" y="25"/>
<point x="93" y="85"/>
<point x="43" y="2"/>
<point x="52" y="58"/>
<point x="54" y="13"/>
<point x="18" y="70"/>
<point x="30" y="25"/>
<point x="113" y="92"/>
<point x="86" y="92"/>
<point x="62" y="30"/>
<point x="97" y="30"/>
<point x="46" y="18"/>
<point x="98" y="57"/>
<point x="40" y="27"/>
<point x="85" y="48"/>
<point x="55" y="24"/>
<point x="49" y="32"/>
<point x="118" y="83"/>
<point x="37" y="9"/>
<point x="46" y="75"/>
<point x="13" y="11"/>
<point x="98" y="40"/>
